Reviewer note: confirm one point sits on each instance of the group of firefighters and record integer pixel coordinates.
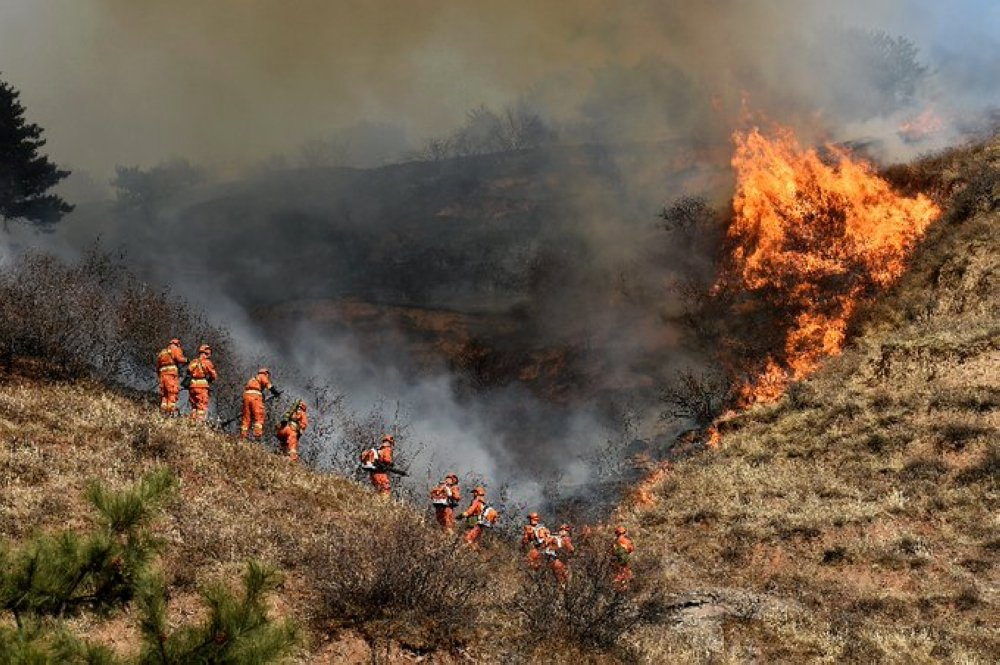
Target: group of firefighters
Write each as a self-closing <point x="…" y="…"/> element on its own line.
<point x="198" y="377"/>
<point x="539" y="544"/>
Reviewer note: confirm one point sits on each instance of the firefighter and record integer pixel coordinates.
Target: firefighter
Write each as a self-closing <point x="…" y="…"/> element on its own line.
<point x="378" y="462"/>
<point x="533" y="538"/>
<point x="478" y="516"/>
<point x="202" y="373"/>
<point x="168" y="363"/>
<point x="291" y="427"/>
<point x="253" y="402"/>
<point x="445" y="498"/>
<point x="557" y="549"/>
<point x="622" y="549"/>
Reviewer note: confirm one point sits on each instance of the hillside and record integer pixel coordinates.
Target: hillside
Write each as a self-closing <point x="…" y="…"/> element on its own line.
<point x="856" y="520"/>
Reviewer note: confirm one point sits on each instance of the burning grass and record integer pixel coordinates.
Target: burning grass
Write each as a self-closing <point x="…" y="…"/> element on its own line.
<point x="863" y="502"/>
<point x="812" y="237"/>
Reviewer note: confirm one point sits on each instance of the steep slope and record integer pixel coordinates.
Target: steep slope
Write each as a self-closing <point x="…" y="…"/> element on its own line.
<point x="856" y="519"/>
<point x="236" y="502"/>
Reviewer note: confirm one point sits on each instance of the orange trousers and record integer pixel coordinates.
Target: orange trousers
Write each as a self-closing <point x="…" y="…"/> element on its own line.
<point x="289" y="438"/>
<point x="472" y="535"/>
<point x="445" y="516"/>
<point x="253" y="411"/>
<point x="534" y="558"/>
<point x="198" y="398"/>
<point x="624" y="578"/>
<point x="170" y="392"/>
<point x="560" y="570"/>
<point x="380" y="481"/>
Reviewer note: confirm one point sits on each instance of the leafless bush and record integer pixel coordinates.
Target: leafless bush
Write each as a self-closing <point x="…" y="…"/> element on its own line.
<point x="485" y="131"/>
<point x="589" y="609"/>
<point x="699" y="396"/>
<point x="400" y="580"/>
<point x="92" y="319"/>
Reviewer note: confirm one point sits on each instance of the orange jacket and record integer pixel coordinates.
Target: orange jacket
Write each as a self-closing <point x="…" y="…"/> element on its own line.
<point x="475" y="508"/>
<point x="385" y="455"/>
<point x="556" y="546"/>
<point x="257" y="385"/>
<point x="446" y="495"/>
<point x="623" y="548"/>
<point x="299" y="421"/>
<point x="169" y="358"/>
<point x="534" y="535"/>
<point x="202" y="372"/>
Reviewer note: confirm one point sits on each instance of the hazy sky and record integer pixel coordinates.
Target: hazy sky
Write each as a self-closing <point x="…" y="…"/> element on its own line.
<point x="226" y="82"/>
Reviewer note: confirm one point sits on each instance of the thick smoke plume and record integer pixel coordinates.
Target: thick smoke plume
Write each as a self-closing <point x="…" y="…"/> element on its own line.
<point x="245" y="134"/>
<point x="228" y="83"/>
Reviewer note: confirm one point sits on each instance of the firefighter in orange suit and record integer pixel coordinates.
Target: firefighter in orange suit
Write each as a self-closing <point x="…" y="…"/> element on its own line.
<point x="557" y="549"/>
<point x="533" y="538"/>
<point x="168" y="364"/>
<point x="473" y="516"/>
<point x="291" y="427"/>
<point x="622" y="548"/>
<point x="202" y="373"/>
<point x="377" y="462"/>
<point x="445" y="498"/>
<point x="253" y="402"/>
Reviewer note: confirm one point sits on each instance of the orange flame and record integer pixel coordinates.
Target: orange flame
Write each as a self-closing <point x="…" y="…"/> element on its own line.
<point x="813" y="239"/>
<point x="644" y="494"/>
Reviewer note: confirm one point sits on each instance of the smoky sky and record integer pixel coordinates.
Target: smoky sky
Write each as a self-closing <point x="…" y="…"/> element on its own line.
<point x="230" y="82"/>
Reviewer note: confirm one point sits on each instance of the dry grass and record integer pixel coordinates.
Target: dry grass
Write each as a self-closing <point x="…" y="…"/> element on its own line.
<point x="236" y="501"/>
<point x="862" y="509"/>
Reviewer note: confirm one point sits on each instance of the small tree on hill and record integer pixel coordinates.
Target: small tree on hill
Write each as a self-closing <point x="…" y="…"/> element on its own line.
<point x="25" y="175"/>
<point x="53" y="576"/>
<point x="236" y="630"/>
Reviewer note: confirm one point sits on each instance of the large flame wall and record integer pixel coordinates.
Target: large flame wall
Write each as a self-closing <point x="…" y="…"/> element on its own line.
<point x="812" y="236"/>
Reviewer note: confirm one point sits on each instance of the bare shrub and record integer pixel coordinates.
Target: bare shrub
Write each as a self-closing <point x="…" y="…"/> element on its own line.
<point x="698" y="396"/>
<point x="588" y="610"/>
<point x="92" y="319"/>
<point x="400" y="581"/>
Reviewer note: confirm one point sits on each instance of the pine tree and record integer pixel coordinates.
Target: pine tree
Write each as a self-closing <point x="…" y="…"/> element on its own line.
<point x="237" y="629"/>
<point x="25" y="176"/>
<point x="53" y="576"/>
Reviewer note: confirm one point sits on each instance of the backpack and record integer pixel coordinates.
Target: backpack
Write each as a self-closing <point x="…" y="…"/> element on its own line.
<point x="286" y="417"/>
<point x="369" y="460"/>
<point x="488" y="517"/>
<point x="441" y="495"/>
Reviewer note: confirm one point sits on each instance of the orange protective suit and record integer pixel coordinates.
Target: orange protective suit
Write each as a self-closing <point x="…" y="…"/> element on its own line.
<point x="533" y="538"/>
<point x="202" y="373"/>
<point x="557" y="548"/>
<point x="622" y="548"/>
<point x="295" y="424"/>
<point x="253" y="405"/>
<point x="380" y="479"/>
<point x="168" y="362"/>
<point x="474" y="510"/>
<point x="445" y="498"/>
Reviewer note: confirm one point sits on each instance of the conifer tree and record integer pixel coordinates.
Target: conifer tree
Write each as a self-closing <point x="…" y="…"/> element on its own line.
<point x="25" y="175"/>
<point x="53" y="576"/>
<point x="237" y="629"/>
